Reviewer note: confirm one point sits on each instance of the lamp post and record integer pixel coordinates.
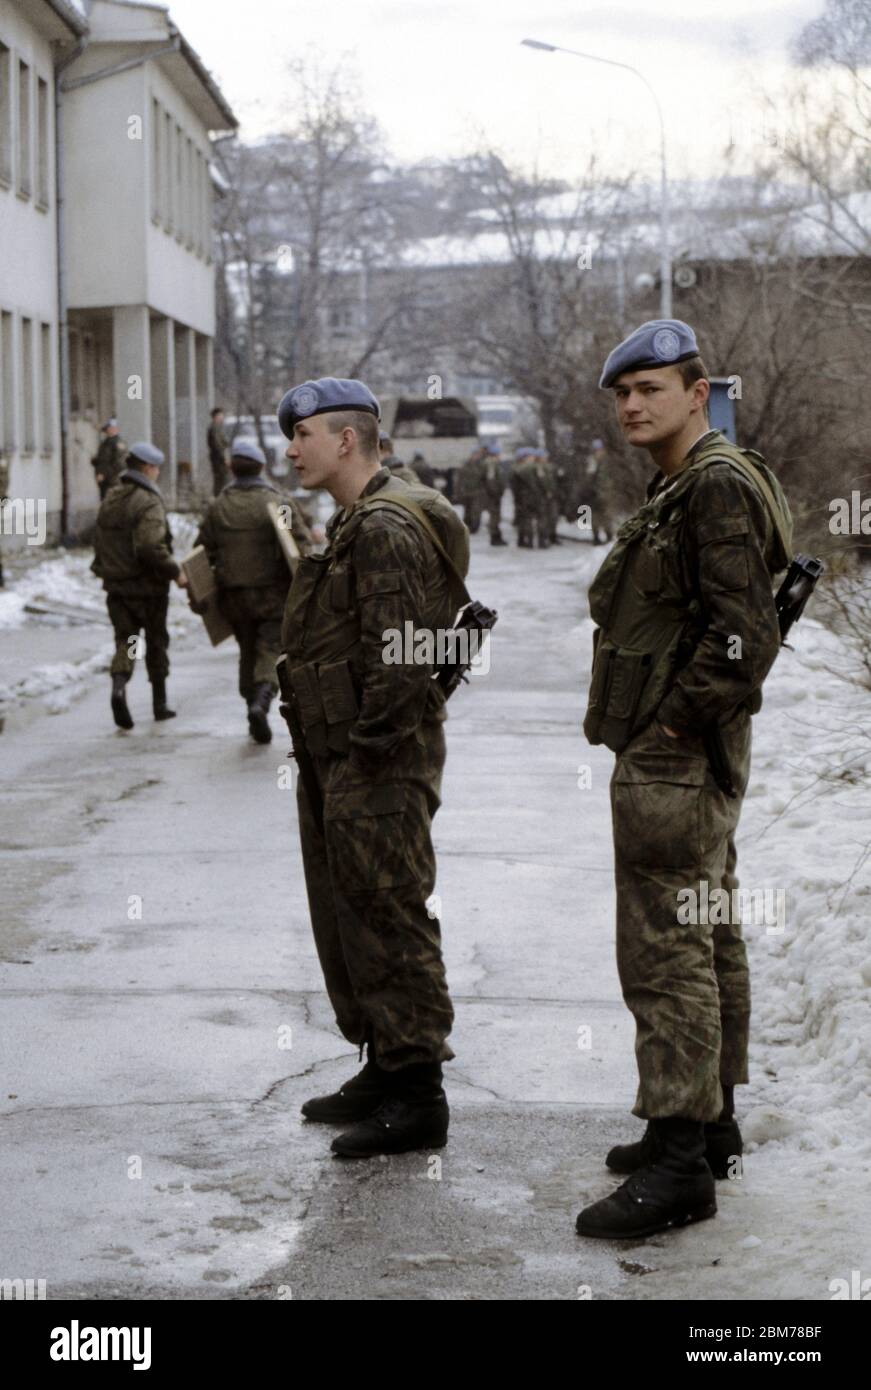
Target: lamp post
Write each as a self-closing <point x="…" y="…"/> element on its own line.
<point x="665" y="246"/>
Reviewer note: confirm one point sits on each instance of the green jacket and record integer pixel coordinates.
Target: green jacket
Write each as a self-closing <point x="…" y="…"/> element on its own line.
<point x="109" y="459"/>
<point x="133" y="542"/>
<point x="687" y="627"/>
<point x="379" y="572"/>
<point x="240" y="538"/>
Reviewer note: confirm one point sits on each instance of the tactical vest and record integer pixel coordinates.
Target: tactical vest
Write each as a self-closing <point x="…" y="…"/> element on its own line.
<point x="321" y="632"/>
<point x="247" y="553"/>
<point x="649" y="616"/>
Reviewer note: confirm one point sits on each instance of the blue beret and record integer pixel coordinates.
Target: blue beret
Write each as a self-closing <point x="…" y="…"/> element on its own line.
<point x="659" y="343"/>
<point x="522" y="453"/>
<point x="247" y="449"/>
<point x="146" y="453"/>
<point x="494" y="449"/>
<point x="317" y="397"/>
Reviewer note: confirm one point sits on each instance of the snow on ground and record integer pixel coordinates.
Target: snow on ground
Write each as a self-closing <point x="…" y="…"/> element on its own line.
<point x="806" y="829"/>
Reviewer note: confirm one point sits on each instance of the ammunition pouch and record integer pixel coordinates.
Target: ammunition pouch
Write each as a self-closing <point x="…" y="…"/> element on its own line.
<point x="619" y="677"/>
<point x="327" y="705"/>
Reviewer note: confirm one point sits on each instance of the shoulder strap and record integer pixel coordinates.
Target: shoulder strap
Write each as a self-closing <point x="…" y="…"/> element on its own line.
<point x="756" y="477"/>
<point x="405" y="504"/>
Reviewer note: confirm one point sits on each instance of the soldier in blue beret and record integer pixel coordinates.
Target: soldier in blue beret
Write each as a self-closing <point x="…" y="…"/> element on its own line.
<point x="252" y="577"/>
<point x="368" y="733"/>
<point x="133" y="557"/>
<point x="687" y="631"/>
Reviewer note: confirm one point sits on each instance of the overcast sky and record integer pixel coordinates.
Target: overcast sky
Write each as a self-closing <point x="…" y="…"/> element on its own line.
<point x="443" y="77"/>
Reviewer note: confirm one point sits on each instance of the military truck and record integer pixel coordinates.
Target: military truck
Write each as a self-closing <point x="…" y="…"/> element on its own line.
<point x="444" y="431"/>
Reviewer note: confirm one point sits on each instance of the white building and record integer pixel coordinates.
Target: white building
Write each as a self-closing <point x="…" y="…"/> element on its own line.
<point x="128" y="222"/>
<point x="32" y="35"/>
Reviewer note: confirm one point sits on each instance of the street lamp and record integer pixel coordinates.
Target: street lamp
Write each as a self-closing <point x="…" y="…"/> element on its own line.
<point x="665" y="248"/>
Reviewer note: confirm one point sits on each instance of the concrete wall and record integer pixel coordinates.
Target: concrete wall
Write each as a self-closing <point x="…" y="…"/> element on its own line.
<point x="29" y="406"/>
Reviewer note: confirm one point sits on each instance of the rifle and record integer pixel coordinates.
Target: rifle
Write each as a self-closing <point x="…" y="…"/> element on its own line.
<point x="289" y="713"/>
<point x="473" y="618"/>
<point x="794" y="592"/>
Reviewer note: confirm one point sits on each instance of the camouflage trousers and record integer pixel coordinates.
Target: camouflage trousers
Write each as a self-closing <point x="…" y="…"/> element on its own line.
<point x="369" y="869"/>
<point x="255" y="617"/>
<point x="473" y="506"/>
<point x="131" y="614"/>
<point x="686" y="982"/>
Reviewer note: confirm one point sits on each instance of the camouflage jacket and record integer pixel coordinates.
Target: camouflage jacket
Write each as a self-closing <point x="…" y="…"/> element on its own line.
<point x="109" y="460"/>
<point x="217" y="443"/>
<point x="240" y="538"/>
<point x="133" y="542"/>
<point x="380" y="573"/>
<point x="685" y="606"/>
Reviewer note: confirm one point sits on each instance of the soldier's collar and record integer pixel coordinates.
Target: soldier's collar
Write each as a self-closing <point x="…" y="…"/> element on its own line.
<point x="132" y="475"/>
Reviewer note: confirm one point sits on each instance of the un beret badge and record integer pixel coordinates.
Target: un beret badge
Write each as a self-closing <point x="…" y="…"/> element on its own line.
<point x="666" y="344"/>
<point x="304" y="400"/>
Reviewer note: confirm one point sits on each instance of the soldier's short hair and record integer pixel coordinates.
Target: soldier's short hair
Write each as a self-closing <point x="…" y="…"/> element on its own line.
<point x="362" y="421"/>
<point x="691" y="371"/>
<point x="217" y="410"/>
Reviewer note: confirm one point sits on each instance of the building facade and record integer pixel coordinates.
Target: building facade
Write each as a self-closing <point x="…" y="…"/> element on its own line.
<point x="114" y="191"/>
<point x="32" y="33"/>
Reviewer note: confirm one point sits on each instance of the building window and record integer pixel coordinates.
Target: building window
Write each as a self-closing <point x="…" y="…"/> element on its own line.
<point x="5" y="115"/>
<point x="75" y="387"/>
<point x="156" y="165"/>
<point x="179" y="183"/>
<point x="42" y="142"/>
<point x="207" y="210"/>
<point x="28" y="413"/>
<point x="24" y="179"/>
<point x="169" y="207"/>
<point x="190" y="224"/>
<point x="46" y="391"/>
<point x="7" y="382"/>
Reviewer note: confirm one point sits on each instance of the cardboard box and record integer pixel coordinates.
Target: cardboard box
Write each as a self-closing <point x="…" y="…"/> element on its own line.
<point x="203" y="590"/>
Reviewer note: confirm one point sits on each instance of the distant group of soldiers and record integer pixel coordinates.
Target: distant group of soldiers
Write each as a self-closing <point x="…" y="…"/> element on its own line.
<point x="543" y="491"/>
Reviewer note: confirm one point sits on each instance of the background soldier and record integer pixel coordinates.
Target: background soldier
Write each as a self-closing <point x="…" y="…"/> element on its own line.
<point x="109" y="459"/>
<point x="389" y="460"/>
<point x="133" y="557"/>
<point x="370" y="743"/>
<point x="420" y="466"/>
<point x="252" y="574"/>
<point x="217" y="442"/>
<point x="547" y="476"/>
<point x="687" y="633"/>
<point x="493" y="487"/>
<point x="530" y="500"/>
<point x="470" y="489"/>
<point x="597" y="493"/>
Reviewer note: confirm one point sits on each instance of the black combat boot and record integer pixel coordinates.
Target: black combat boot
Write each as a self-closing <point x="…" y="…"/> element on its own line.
<point x="258" y="713"/>
<point x="354" y="1100"/>
<point x="120" y="711"/>
<point x="678" y="1187"/>
<point x="723" y="1144"/>
<point x="158" y="699"/>
<point x="414" y="1115"/>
